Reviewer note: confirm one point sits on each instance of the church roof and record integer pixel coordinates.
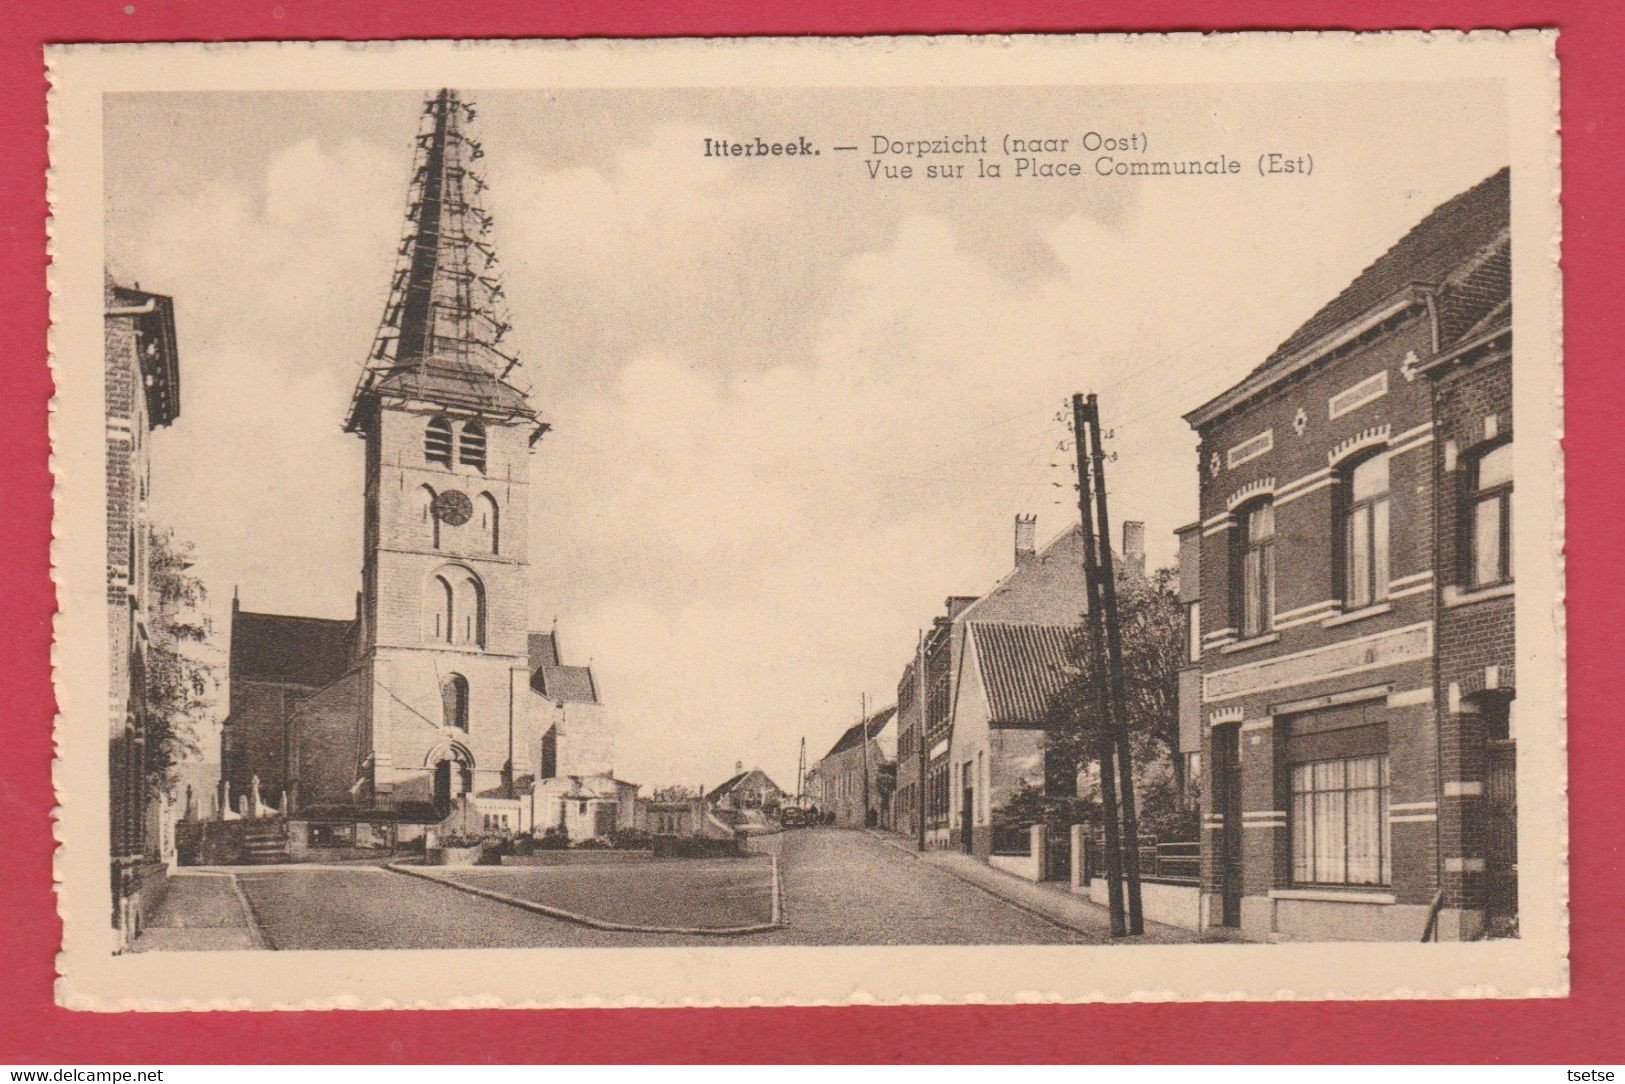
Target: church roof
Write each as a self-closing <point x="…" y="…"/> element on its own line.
<point x="552" y="679"/>
<point x="442" y="335"/>
<point x="311" y="651"/>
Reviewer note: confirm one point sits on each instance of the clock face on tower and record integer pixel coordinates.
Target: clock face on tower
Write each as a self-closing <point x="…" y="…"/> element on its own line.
<point x="453" y="507"/>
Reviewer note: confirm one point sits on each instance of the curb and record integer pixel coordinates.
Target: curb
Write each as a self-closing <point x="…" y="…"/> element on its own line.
<point x="598" y="923"/>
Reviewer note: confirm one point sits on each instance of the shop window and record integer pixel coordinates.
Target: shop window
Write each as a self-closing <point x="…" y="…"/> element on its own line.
<point x="1339" y="822"/>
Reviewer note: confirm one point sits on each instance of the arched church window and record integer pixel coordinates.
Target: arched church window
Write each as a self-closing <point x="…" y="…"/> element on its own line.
<point x="487" y="513"/>
<point x="454" y="701"/>
<point x="454" y="608"/>
<point x="437" y="610"/>
<point x="471" y="449"/>
<point x="437" y="441"/>
<point x="423" y="513"/>
<point x="468" y="611"/>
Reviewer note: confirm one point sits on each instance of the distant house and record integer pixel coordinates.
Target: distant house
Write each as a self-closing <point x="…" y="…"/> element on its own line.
<point x="866" y="748"/>
<point x="747" y="790"/>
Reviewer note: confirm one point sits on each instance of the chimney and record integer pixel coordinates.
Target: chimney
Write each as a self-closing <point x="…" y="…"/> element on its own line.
<point x="1026" y="540"/>
<point x="1134" y="548"/>
<point x="739" y="767"/>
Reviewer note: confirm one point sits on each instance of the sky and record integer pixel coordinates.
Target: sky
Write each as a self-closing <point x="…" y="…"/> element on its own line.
<point x="794" y="408"/>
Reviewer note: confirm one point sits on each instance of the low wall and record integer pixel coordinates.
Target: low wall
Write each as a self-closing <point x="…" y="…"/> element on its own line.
<point x="1171" y="905"/>
<point x="1029" y="866"/>
<point x="211" y="843"/>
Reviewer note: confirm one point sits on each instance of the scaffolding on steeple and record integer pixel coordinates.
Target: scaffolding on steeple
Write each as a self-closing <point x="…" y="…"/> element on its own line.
<point x="441" y="339"/>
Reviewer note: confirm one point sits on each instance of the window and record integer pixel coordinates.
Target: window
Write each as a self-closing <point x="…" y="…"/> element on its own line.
<point x="454" y="608"/>
<point x="437" y="610"/>
<point x="1193" y="632"/>
<point x="1340" y="822"/>
<point x="1365" y="534"/>
<point x="423" y="511"/>
<point x="468" y="610"/>
<point x="454" y="701"/>
<point x="471" y="449"/>
<point x="437" y="441"/>
<point x="1490" y="518"/>
<point x="485" y="514"/>
<point x="1257" y="580"/>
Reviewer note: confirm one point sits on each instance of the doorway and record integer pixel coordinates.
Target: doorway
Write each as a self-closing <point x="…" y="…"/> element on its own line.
<point x="1227" y="804"/>
<point x="1501" y="819"/>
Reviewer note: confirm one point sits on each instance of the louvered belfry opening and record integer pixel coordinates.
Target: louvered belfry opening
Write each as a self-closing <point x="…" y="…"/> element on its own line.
<point x="443" y="331"/>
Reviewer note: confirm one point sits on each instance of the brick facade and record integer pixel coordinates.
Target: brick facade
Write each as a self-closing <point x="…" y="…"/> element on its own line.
<point x="1319" y="593"/>
<point x="142" y="392"/>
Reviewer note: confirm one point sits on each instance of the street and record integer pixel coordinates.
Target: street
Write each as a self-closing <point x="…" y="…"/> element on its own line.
<point x="840" y="888"/>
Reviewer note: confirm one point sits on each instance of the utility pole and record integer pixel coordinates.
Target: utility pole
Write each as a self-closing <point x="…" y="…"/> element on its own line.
<point x="863" y="740"/>
<point x="1105" y="752"/>
<point x="1114" y="649"/>
<point x="919" y="701"/>
<point x="801" y="772"/>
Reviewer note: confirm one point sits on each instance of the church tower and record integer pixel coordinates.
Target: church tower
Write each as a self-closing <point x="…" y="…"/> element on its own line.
<point x="448" y="426"/>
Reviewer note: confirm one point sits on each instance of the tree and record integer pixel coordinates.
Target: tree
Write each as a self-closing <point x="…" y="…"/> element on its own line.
<point x="179" y="676"/>
<point x="1151" y="620"/>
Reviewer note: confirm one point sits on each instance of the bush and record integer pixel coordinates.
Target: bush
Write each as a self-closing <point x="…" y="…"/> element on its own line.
<point x="521" y="846"/>
<point x="631" y="839"/>
<point x="556" y="838"/>
<point x="595" y="843"/>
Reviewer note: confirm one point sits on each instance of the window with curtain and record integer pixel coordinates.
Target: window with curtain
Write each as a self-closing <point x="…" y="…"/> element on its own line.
<point x="437" y="441"/>
<point x="1365" y="533"/>
<point x="1339" y="822"/>
<point x="1490" y="518"/>
<point x="1257" y="560"/>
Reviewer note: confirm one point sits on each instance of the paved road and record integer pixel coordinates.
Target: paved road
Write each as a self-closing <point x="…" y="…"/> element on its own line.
<point x="848" y="888"/>
<point x="840" y="888"/>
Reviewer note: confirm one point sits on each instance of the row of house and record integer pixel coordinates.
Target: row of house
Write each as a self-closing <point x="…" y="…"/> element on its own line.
<point x="142" y="381"/>
<point x="967" y="733"/>
<point x="1351" y="676"/>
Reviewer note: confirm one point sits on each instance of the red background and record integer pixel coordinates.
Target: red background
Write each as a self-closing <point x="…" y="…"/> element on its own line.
<point x="1586" y="1027"/>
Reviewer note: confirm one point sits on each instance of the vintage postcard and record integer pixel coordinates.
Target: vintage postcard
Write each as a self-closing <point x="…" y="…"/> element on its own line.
<point x="808" y="521"/>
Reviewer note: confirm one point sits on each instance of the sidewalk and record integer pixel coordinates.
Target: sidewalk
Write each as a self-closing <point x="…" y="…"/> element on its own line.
<point x="1051" y="899"/>
<point x="200" y="911"/>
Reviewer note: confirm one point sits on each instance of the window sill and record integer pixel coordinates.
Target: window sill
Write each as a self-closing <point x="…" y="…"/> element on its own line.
<point x="1357" y="615"/>
<point x="1332" y="895"/>
<point x="1455" y="596"/>
<point x="1256" y="641"/>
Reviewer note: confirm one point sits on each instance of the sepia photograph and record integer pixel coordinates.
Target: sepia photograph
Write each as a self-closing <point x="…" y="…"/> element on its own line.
<point x="602" y="499"/>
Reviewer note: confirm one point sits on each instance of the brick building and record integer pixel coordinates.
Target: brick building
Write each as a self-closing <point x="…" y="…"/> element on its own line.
<point x="435" y="694"/>
<point x="1472" y="396"/>
<point x="142" y="371"/>
<point x="1329" y="784"/>
<point x="969" y="769"/>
